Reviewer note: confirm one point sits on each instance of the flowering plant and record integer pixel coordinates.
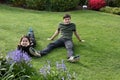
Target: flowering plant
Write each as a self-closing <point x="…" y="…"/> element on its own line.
<point x="16" y="66"/>
<point x="48" y="72"/>
<point x="96" y="4"/>
<point x="17" y="56"/>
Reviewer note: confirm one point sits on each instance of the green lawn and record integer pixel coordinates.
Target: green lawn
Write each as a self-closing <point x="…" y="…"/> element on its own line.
<point x="100" y="54"/>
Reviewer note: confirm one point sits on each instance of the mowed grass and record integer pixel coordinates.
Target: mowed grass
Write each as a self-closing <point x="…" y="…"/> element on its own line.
<point x="100" y="53"/>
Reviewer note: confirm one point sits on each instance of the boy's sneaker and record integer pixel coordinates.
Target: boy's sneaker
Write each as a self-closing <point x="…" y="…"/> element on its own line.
<point x="34" y="52"/>
<point x="74" y="59"/>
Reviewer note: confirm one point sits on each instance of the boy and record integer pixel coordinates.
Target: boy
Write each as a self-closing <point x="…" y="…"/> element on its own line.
<point x="66" y="28"/>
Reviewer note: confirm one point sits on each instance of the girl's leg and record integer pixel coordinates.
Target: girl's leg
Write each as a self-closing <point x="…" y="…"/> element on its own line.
<point x="32" y="37"/>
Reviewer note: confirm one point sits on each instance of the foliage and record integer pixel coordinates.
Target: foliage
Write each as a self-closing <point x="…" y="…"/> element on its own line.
<point x="17" y="56"/>
<point x="51" y="5"/>
<point x="114" y="10"/>
<point x="21" y="70"/>
<point x="18" y="3"/>
<point x="36" y="4"/>
<point x="96" y="4"/>
<point x="48" y="72"/>
<point x="83" y="2"/>
<point x="117" y="3"/>
<point x="110" y="3"/>
<point x="3" y="1"/>
<point x="16" y="70"/>
<point x="63" y="5"/>
<point x="113" y="3"/>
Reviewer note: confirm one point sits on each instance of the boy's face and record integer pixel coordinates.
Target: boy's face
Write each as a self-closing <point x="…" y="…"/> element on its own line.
<point x="25" y="42"/>
<point x="67" y="20"/>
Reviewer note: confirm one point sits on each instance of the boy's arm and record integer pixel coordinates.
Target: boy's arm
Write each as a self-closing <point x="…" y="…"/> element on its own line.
<point x="78" y="37"/>
<point x="54" y="35"/>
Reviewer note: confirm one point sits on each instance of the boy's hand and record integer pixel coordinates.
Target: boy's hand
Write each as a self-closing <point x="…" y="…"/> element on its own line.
<point x="50" y="39"/>
<point x="82" y="40"/>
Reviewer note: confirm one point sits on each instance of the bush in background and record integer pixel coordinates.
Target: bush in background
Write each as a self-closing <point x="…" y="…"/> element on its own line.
<point x="18" y="3"/>
<point x="110" y="3"/>
<point x="36" y="4"/>
<point x="3" y="1"/>
<point x="113" y="3"/>
<point x="118" y="3"/>
<point x="63" y="5"/>
<point x="82" y="2"/>
<point x="51" y="5"/>
<point x="96" y="4"/>
<point x="113" y="10"/>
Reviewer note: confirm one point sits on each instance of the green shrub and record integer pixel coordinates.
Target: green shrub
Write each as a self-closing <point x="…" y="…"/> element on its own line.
<point x="82" y="2"/>
<point x="51" y="5"/>
<point x="110" y="3"/>
<point x="114" y="10"/>
<point x="113" y="3"/>
<point x="106" y="9"/>
<point x="36" y="4"/>
<point x="18" y="3"/>
<point x="63" y="5"/>
<point x="117" y="3"/>
<point x="3" y="1"/>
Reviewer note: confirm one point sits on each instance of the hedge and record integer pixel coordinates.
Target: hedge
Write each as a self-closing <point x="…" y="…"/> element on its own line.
<point x="51" y="5"/>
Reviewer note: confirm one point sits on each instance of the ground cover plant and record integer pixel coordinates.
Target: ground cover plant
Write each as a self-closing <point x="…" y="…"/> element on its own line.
<point x="99" y="53"/>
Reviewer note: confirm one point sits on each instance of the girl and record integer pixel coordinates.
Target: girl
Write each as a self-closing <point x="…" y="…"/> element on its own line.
<point x="25" y="46"/>
<point x="24" y="50"/>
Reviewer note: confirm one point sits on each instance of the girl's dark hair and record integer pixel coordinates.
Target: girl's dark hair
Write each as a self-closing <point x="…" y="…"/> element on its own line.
<point x="22" y="48"/>
<point x="66" y="16"/>
<point x="24" y="37"/>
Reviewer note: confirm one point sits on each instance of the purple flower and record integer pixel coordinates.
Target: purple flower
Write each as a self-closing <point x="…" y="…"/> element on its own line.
<point x="45" y="70"/>
<point x="17" y="56"/>
<point x="61" y="66"/>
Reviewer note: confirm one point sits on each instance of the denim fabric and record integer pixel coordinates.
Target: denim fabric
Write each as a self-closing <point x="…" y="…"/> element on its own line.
<point x="59" y="43"/>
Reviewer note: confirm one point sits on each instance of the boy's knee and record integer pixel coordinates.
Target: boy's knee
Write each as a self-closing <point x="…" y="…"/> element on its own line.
<point x="69" y="45"/>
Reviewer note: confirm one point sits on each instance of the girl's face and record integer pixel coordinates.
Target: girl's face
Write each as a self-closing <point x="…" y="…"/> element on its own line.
<point x="25" y="42"/>
<point x="66" y="20"/>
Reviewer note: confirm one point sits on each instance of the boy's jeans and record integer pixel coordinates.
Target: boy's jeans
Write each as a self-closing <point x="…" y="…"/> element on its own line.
<point x="60" y="43"/>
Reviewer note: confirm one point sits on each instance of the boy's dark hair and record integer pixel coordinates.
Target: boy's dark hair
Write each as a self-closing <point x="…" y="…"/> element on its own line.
<point x="66" y="16"/>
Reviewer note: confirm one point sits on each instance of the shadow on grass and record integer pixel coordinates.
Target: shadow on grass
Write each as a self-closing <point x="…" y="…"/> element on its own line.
<point x="80" y="64"/>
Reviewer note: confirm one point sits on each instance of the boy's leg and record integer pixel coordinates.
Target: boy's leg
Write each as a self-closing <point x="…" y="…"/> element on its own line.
<point x="69" y="47"/>
<point x="51" y="46"/>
